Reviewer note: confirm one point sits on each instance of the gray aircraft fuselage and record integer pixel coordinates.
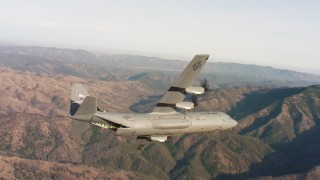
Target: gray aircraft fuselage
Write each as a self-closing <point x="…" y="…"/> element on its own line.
<point x="157" y="126"/>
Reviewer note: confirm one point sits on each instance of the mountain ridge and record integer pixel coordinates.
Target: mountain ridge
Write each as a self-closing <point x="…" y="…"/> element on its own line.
<point x="220" y="74"/>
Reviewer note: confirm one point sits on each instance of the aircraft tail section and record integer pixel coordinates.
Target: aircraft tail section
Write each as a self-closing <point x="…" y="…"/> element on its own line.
<point x="82" y="108"/>
<point x="82" y="103"/>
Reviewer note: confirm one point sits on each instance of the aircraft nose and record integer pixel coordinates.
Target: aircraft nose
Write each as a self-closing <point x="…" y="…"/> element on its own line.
<point x="233" y="123"/>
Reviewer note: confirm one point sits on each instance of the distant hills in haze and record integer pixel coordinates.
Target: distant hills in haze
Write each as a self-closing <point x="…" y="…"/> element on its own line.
<point x="150" y="70"/>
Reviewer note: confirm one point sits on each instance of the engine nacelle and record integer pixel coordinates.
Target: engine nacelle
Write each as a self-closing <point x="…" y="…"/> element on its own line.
<point x="185" y="105"/>
<point x="159" y="138"/>
<point x="195" y="90"/>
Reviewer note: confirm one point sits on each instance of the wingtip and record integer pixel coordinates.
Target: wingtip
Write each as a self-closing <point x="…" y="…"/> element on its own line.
<point x="203" y="55"/>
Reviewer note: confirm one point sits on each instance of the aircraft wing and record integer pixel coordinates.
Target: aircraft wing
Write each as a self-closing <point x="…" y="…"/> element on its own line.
<point x="185" y="80"/>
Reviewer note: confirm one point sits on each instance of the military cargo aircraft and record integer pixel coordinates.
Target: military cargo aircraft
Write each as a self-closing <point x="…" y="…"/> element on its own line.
<point x="166" y="120"/>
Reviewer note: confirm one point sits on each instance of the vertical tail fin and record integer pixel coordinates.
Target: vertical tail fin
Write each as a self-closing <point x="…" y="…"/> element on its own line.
<point x="78" y="94"/>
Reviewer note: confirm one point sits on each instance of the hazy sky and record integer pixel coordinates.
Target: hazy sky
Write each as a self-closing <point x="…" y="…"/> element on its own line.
<point x="283" y="33"/>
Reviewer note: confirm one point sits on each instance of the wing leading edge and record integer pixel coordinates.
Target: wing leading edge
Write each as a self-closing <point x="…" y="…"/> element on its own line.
<point x="175" y="95"/>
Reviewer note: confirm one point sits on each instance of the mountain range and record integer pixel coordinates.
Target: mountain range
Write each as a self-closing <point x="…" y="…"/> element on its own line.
<point x="278" y="113"/>
<point x="152" y="70"/>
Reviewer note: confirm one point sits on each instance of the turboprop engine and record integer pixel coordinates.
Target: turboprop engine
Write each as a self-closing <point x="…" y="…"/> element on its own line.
<point x="195" y="90"/>
<point x="185" y="105"/>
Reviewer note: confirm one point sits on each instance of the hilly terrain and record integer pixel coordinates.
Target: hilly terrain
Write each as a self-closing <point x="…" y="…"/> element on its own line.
<point x="18" y="168"/>
<point x="276" y="137"/>
<point x="35" y="126"/>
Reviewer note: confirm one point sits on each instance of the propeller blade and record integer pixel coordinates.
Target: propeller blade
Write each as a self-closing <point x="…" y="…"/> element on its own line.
<point x="194" y="99"/>
<point x="205" y="84"/>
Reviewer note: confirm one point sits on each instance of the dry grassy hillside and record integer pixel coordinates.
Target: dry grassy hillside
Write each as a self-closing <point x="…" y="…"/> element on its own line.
<point x="34" y="114"/>
<point x="18" y="168"/>
<point x="35" y="129"/>
<point x="46" y="94"/>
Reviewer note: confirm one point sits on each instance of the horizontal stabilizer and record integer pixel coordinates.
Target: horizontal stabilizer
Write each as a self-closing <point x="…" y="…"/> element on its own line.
<point x="78" y="128"/>
<point x="88" y="106"/>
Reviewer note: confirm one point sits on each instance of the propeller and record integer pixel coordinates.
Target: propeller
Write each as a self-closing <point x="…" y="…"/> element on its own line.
<point x="194" y="99"/>
<point x="203" y="83"/>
